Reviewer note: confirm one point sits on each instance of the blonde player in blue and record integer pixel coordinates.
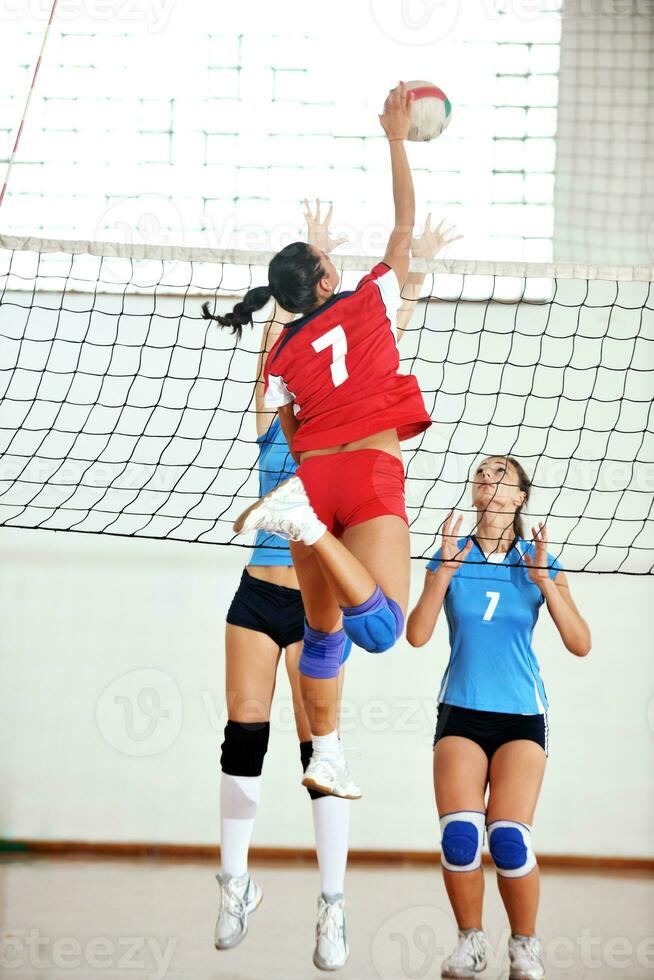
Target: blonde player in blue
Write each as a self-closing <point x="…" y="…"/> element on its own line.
<point x="266" y="617"/>
<point x="491" y="732"/>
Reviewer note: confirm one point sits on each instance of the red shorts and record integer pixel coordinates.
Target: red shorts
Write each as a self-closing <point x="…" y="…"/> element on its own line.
<point x="351" y="487"/>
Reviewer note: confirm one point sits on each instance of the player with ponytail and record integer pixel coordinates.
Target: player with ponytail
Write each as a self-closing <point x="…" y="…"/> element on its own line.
<point x="492" y="728"/>
<point x="266" y="619"/>
<point x="293" y="276"/>
<point x="344" y="406"/>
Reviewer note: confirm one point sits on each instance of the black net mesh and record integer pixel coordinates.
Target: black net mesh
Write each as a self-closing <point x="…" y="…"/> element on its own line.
<point x="124" y="412"/>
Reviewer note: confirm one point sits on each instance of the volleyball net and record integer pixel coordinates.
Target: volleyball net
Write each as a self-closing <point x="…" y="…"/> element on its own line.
<point x="123" y="412"/>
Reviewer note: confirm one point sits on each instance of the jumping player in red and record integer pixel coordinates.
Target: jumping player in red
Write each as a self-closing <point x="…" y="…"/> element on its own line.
<point x="344" y="406"/>
<point x="266" y="615"/>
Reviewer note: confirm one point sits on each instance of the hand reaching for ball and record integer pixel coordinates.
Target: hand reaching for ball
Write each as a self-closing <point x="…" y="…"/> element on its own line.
<point x="396" y="117"/>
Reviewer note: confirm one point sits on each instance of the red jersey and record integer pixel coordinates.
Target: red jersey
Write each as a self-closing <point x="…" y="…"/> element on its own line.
<point x="340" y="365"/>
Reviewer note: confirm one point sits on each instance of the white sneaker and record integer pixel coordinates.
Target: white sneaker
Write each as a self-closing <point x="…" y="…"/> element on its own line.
<point x="238" y="897"/>
<point x="328" y="772"/>
<point x="331" y="950"/>
<point x="525" y="956"/>
<point x="286" y="512"/>
<point x="469" y="957"/>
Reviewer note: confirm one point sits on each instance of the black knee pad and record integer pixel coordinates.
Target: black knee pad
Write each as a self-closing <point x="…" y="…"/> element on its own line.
<point x="306" y="749"/>
<point x="244" y="748"/>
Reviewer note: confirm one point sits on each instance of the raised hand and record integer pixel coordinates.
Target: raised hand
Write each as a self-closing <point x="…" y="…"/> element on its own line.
<point x="432" y="240"/>
<point x="318" y="231"/>
<point x="449" y="547"/>
<point x="396" y="117"/>
<point x="538" y="575"/>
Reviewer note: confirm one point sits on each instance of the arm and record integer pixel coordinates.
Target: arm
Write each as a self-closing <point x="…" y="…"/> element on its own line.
<point x="289" y="425"/>
<point x="425" y="246"/>
<point x="271" y="331"/>
<point x="410" y="296"/>
<point x="573" y="628"/>
<point x="422" y="620"/>
<point x="396" y="120"/>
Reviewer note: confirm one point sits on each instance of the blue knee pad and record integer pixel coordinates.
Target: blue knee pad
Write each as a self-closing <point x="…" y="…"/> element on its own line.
<point x="509" y="843"/>
<point x="347" y="649"/>
<point x="376" y="624"/>
<point x="322" y="653"/>
<point x="462" y="836"/>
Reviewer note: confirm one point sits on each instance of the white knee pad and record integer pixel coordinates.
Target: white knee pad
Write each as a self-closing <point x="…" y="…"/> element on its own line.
<point x="462" y="837"/>
<point x="509" y="843"/>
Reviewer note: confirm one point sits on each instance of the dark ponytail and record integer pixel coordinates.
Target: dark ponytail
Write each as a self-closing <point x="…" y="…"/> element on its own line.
<point x="253" y="300"/>
<point x="524" y="484"/>
<point x="293" y="275"/>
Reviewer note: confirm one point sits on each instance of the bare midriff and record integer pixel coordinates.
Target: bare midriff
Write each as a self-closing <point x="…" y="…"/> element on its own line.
<point x="275" y="574"/>
<point x="385" y="442"/>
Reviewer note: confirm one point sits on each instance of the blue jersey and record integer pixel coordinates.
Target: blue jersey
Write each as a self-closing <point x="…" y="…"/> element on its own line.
<point x="275" y="465"/>
<point x="491" y="611"/>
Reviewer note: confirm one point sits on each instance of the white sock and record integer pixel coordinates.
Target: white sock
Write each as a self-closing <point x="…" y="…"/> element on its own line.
<point x="239" y="799"/>
<point x="331" y="821"/>
<point x="325" y="743"/>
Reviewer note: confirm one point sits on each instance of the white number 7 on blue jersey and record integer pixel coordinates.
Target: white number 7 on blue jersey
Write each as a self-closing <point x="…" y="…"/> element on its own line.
<point x="336" y="339"/>
<point x="492" y="605"/>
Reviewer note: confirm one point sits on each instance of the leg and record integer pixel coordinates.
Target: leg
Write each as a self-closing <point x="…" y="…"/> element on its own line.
<point x="374" y="552"/>
<point x="331" y="822"/>
<point x="347" y="577"/>
<point x="251" y="663"/>
<point x="293" y="671"/>
<point x="330" y="574"/>
<point x="320" y="679"/>
<point x="251" y="660"/>
<point x="350" y="581"/>
<point x="460" y="774"/>
<point x="320" y="695"/>
<point x="331" y="814"/>
<point x="368" y="496"/>
<point x="377" y="477"/>
<point x="516" y="775"/>
<point x="383" y="546"/>
<point x="295" y="681"/>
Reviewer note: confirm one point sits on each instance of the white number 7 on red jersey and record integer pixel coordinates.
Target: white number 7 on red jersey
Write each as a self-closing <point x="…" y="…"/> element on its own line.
<point x="336" y="339"/>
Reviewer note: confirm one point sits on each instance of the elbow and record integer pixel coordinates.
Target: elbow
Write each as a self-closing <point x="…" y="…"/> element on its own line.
<point x="415" y="637"/>
<point x="581" y="647"/>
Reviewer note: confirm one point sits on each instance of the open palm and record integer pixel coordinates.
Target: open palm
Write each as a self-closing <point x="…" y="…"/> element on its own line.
<point x="537" y="566"/>
<point x="451" y="555"/>
<point x="432" y="240"/>
<point x="317" y="230"/>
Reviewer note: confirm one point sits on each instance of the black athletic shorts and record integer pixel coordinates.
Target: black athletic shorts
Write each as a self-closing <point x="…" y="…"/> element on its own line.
<point x="267" y="608"/>
<point x="490" y="729"/>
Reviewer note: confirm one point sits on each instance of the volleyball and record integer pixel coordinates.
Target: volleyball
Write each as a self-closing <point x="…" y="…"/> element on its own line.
<point x="430" y="113"/>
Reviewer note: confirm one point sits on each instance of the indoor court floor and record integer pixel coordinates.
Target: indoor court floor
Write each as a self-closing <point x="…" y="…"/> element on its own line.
<point x="154" y="918"/>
